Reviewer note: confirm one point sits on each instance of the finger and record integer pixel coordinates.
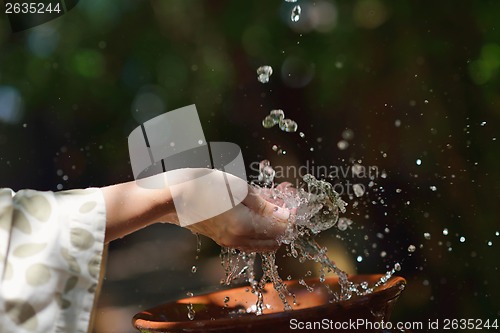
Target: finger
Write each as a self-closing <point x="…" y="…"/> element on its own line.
<point x="284" y="186"/>
<point x="264" y="208"/>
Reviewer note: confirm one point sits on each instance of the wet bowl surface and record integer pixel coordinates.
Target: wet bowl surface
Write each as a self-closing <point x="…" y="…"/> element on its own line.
<point x="215" y="313"/>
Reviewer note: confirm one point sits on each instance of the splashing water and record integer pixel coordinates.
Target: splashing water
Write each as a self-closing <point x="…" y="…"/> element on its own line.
<point x="266" y="173"/>
<point x="288" y="125"/>
<point x="263" y="73"/>
<point x="295" y="16"/>
<point x="317" y="208"/>
<point x="277" y="117"/>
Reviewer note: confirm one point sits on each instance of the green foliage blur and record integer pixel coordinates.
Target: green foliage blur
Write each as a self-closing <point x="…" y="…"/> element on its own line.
<point x="413" y="80"/>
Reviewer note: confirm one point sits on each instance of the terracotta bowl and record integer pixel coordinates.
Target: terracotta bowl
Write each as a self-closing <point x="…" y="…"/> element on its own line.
<point x="213" y="314"/>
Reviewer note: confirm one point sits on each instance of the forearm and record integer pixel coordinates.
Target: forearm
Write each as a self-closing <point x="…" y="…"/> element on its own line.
<point x="130" y="207"/>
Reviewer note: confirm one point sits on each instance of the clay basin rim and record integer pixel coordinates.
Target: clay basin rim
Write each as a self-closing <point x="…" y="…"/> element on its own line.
<point x="213" y="311"/>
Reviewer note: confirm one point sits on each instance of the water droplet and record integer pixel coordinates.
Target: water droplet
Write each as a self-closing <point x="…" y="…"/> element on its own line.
<point x="190" y="294"/>
<point x="427" y="235"/>
<point x="343" y="223"/>
<point x="266" y="172"/>
<point x="226" y="299"/>
<point x="264" y="72"/>
<point x="433" y="188"/>
<point x="291" y="0"/>
<point x="357" y="169"/>
<point x="359" y="190"/>
<point x="268" y="122"/>
<point x="383" y="254"/>
<point x="275" y="148"/>
<point x="194" y="269"/>
<point x="483" y="123"/>
<point x="462" y="239"/>
<point x="418" y="161"/>
<point x="295" y="17"/>
<point x="302" y="135"/>
<point x="191" y="312"/>
<point x="445" y="231"/>
<point x="348" y="134"/>
<point x="288" y="125"/>
<point x="359" y="259"/>
<point x="398" y="190"/>
<point x="397" y="266"/>
<point x="277" y="114"/>
<point x="397" y="123"/>
<point x="490" y="243"/>
<point x="342" y="144"/>
<point x="497" y="233"/>
<point x="411" y="248"/>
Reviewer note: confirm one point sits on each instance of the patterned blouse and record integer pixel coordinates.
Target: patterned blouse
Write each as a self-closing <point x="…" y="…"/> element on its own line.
<point x="51" y="247"/>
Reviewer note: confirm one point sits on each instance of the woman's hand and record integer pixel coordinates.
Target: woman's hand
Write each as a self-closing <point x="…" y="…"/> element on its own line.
<point x="253" y="225"/>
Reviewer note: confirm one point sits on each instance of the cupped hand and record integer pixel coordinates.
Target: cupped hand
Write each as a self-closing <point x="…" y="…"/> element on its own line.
<point x="255" y="224"/>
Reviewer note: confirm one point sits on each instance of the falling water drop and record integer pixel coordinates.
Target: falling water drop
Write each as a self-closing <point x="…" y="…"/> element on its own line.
<point x="277" y="114"/>
<point x="191" y="312"/>
<point x="342" y="144"/>
<point x="288" y="125"/>
<point x="411" y="248"/>
<point x="264" y="72"/>
<point x="343" y="223"/>
<point x="359" y="190"/>
<point x="268" y="122"/>
<point x="295" y="17"/>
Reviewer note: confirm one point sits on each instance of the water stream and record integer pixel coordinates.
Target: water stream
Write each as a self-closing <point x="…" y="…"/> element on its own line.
<point x="316" y="208"/>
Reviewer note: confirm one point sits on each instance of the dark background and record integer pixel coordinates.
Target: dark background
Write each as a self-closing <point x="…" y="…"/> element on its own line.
<point x="413" y="80"/>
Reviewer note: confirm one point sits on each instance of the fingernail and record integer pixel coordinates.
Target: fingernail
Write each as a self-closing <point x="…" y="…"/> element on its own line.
<point x="281" y="213"/>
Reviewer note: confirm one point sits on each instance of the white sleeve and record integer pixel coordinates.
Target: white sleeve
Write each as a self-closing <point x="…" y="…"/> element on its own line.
<point x="51" y="247"/>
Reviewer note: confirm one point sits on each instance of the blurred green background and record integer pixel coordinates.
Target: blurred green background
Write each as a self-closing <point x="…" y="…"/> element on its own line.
<point x="412" y="86"/>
